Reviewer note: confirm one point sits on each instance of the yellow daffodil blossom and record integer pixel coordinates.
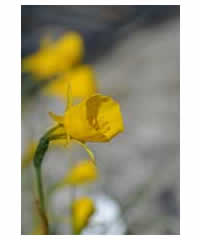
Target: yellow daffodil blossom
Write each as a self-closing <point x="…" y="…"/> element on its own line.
<point x="95" y="119"/>
<point x="82" y="81"/>
<point x="56" y="57"/>
<point x="83" y="172"/>
<point x="27" y="157"/>
<point x="82" y="209"/>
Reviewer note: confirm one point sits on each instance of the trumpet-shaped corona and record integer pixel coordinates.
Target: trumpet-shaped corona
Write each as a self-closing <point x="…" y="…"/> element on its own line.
<point x="96" y="119"/>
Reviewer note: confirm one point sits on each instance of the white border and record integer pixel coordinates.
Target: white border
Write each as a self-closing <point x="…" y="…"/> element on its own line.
<point x="10" y="120"/>
<point x="190" y="120"/>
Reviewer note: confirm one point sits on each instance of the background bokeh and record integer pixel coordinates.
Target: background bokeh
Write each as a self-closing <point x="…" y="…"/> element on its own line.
<point x="134" y="51"/>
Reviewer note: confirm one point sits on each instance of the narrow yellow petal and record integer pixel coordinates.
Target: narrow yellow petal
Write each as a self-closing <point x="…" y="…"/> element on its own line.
<point x="87" y="149"/>
<point x="58" y="119"/>
<point x="59" y="142"/>
<point x="82" y="210"/>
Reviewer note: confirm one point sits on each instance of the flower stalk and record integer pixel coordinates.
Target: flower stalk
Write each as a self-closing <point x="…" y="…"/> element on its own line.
<point x="37" y="161"/>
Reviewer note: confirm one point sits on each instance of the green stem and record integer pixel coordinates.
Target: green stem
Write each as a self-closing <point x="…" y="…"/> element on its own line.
<point x="40" y="188"/>
<point x="41" y="202"/>
<point x="37" y="161"/>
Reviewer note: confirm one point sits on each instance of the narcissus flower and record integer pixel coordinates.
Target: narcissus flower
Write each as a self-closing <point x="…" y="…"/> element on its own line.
<point x="95" y="119"/>
<point x="56" y="57"/>
<point x="82" y="82"/>
<point x="82" y="209"/>
<point x="84" y="172"/>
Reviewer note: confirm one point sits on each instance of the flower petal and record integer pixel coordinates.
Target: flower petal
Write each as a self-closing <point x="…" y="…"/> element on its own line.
<point x="96" y="119"/>
<point x="84" y="172"/>
<point x="82" y="82"/>
<point x="56" y="57"/>
<point x="56" y="118"/>
<point x="82" y="209"/>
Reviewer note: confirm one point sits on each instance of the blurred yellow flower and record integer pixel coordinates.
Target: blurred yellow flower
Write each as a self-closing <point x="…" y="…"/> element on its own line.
<point x="56" y="57"/>
<point x="84" y="172"/>
<point x="95" y="119"/>
<point x="28" y="155"/>
<point x="82" y="209"/>
<point x="82" y="82"/>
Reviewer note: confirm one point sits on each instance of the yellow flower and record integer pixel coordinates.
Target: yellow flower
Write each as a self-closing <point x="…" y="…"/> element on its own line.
<point x="55" y="58"/>
<point x="96" y="119"/>
<point x="82" y="82"/>
<point x="82" y="209"/>
<point x="28" y="154"/>
<point x="83" y="172"/>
